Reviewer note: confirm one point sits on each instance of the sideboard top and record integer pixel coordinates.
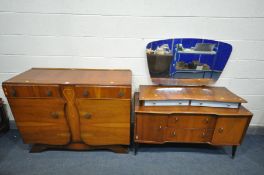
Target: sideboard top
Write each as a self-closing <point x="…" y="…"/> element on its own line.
<point x="73" y="76"/>
<point x="218" y="94"/>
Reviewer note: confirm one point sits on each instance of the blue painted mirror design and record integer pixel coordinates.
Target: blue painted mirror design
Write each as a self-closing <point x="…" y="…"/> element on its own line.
<point x="187" y="58"/>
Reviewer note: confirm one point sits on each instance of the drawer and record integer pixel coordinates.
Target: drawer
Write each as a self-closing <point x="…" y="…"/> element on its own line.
<point x="166" y="103"/>
<point x="188" y="135"/>
<point x="191" y="121"/>
<point x="214" y="104"/>
<point x="103" y="92"/>
<point x="49" y="91"/>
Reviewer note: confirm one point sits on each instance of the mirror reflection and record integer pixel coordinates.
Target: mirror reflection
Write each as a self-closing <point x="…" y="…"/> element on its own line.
<point x="187" y="58"/>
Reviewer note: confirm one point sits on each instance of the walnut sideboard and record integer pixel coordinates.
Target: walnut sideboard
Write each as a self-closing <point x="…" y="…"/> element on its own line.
<point x="212" y="115"/>
<point x="77" y="109"/>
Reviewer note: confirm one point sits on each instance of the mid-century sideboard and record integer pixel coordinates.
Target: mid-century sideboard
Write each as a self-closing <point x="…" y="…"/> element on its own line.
<point x="76" y="109"/>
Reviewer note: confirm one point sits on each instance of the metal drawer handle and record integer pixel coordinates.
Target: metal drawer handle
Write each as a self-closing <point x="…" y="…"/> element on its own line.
<point x="220" y="130"/>
<point x="206" y="120"/>
<point x="49" y="93"/>
<point x="121" y="94"/>
<point x="87" y="116"/>
<point x="13" y="93"/>
<point x="174" y="133"/>
<point x="55" y="115"/>
<point x="85" y="93"/>
<point x="203" y="135"/>
<point x="160" y="127"/>
<point x="176" y="119"/>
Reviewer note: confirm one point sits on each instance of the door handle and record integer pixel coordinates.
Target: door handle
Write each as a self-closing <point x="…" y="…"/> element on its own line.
<point x="220" y="130"/>
<point x="55" y="115"/>
<point x="87" y="116"/>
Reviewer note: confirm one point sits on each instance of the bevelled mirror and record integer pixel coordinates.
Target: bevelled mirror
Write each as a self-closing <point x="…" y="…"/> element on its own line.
<point x="187" y="61"/>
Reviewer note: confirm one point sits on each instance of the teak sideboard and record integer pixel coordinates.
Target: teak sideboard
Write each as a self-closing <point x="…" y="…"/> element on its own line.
<point x="212" y="115"/>
<point x="77" y="109"/>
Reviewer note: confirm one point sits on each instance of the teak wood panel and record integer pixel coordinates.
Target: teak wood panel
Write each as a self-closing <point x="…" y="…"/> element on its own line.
<point x="191" y="121"/>
<point x="229" y="131"/>
<point x="104" y="122"/>
<point x="48" y="91"/>
<point x="188" y="135"/>
<point x="150" y="127"/>
<point x="41" y="120"/>
<point x="120" y="92"/>
<point x="217" y="94"/>
<point x="67" y="76"/>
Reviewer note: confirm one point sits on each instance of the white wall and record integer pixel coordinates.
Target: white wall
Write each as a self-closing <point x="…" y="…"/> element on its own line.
<point x="113" y="34"/>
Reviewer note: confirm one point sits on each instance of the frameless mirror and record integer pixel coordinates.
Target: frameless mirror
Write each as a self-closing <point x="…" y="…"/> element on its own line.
<point x="192" y="59"/>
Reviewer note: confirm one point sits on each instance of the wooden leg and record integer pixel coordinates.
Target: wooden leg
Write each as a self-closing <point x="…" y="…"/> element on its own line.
<point x="234" y="148"/>
<point x="37" y="148"/>
<point x="135" y="148"/>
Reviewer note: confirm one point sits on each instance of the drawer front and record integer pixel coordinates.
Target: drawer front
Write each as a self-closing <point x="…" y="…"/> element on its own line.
<point x="188" y="135"/>
<point x="41" y="121"/>
<point x="166" y="103"/>
<point x="191" y="121"/>
<point x="49" y="91"/>
<point x="214" y="104"/>
<point x="103" y="92"/>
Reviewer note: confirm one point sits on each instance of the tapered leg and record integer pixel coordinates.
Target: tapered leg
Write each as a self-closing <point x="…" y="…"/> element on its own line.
<point x="234" y="148"/>
<point x="135" y="148"/>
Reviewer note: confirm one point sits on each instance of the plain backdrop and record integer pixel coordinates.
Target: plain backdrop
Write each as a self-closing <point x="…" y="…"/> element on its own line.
<point x="113" y="34"/>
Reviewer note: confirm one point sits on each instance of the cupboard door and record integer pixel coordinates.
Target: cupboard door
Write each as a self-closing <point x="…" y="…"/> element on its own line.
<point x="41" y="120"/>
<point x="104" y="122"/>
<point x="150" y="127"/>
<point x="229" y="131"/>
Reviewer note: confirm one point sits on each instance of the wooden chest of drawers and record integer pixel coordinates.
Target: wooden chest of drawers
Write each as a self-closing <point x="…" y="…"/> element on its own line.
<point x="72" y="108"/>
<point x="189" y="124"/>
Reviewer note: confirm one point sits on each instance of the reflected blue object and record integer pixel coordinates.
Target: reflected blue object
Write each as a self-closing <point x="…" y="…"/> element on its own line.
<point x="187" y="58"/>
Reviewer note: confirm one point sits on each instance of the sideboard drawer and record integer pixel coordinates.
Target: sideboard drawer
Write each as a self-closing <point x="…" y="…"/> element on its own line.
<point x="103" y="92"/>
<point x="18" y="91"/>
<point x="32" y="91"/>
<point x="191" y="121"/>
<point x="188" y="135"/>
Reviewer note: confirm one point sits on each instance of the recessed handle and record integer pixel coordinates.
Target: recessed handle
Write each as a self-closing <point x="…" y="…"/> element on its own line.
<point x="87" y="116"/>
<point x="85" y="93"/>
<point x="220" y="130"/>
<point x="121" y="94"/>
<point x="49" y="93"/>
<point x="55" y="115"/>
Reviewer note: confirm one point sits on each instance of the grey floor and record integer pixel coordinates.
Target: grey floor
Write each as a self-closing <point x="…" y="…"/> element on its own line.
<point x="156" y="160"/>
